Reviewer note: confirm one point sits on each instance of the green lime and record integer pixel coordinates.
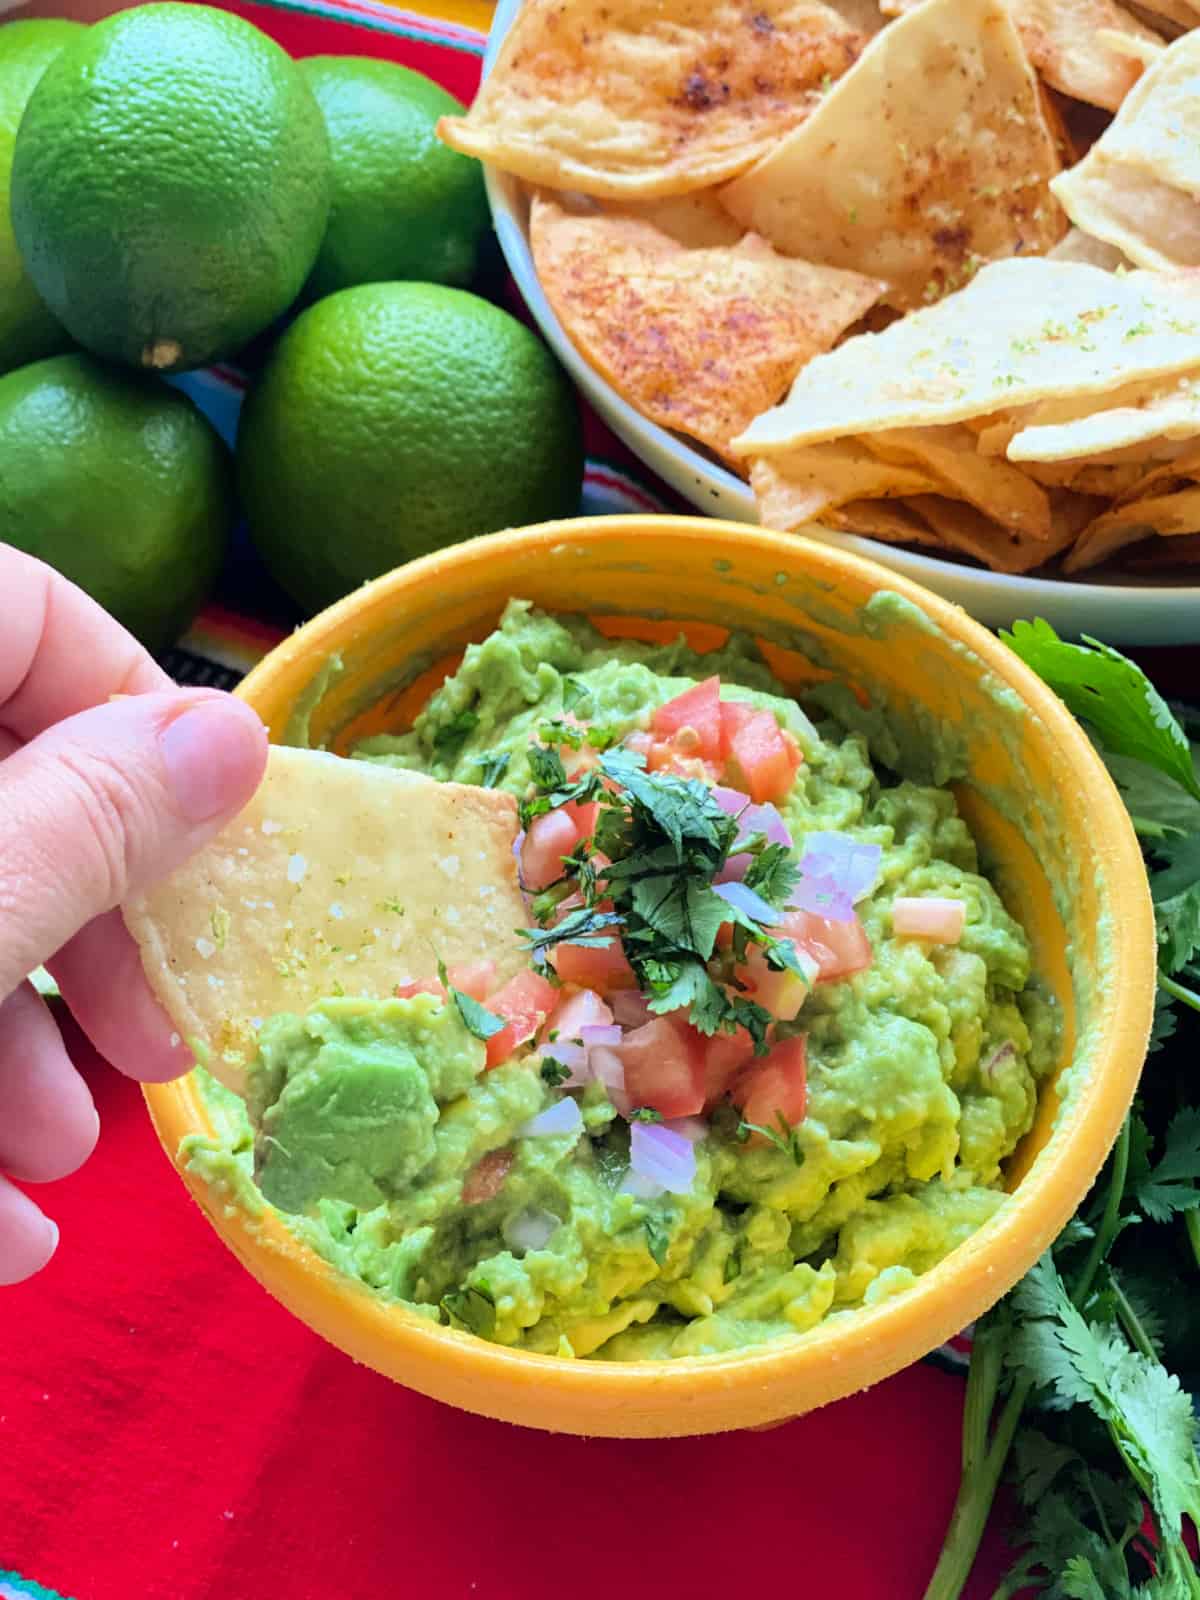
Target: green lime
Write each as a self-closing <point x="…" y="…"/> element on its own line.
<point x="404" y="204"/>
<point x="119" y="483"/>
<point x="170" y="185"/>
<point x="392" y="419"/>
<point x="27" y="330"/>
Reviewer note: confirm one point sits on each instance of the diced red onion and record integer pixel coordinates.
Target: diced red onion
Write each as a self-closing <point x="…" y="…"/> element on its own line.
<point x="517" y="847"/>
<point x="824" y="897"/>
<point x="562" y="1117"/>
<point x="854" y="868"/>
<point x="630" y="1008"/>
<point x="693" y="1129"/>
<point x="569" y="1052"/>
<point x="530" y="1229"/>
<point x="764" y="819"/>
<point x="640" y="1188"/>
<point x="665" y="1156"/>
<point x="752" y="819"/>
<point x="745" y="900"/>
<point x="608" y="1069"/>
<point x="573" y="1016"/>
<point x="594" y="1033"/>
<point x="929" y="917"/>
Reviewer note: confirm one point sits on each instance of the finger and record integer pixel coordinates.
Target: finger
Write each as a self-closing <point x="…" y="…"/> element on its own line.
<point x="137" y="1035"/>
<point x="98" y="806"/>
<point x="48" y="1123"/>
<point x="62" y="652"/>
<point x="27" y="1236"/>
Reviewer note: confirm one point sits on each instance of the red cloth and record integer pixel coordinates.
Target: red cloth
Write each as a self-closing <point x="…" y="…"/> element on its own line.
<point x="168" y="1432"/>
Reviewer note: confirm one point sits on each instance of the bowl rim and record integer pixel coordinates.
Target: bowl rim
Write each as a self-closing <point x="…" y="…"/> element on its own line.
<point x="1151" y="610"/>
<point x="658" y="1397"/>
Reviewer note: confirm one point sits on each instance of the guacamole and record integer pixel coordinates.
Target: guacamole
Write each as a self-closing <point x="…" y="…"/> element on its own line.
<point x="499" y="1189"/>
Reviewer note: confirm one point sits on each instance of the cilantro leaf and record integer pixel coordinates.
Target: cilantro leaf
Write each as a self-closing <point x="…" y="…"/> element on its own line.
<point x="583" y="926"/>
<point x="784" y="1136"/>
<point x="1176" y="892"/>
<point x="492" y="768"/>
<point x="1173" y="1185"/>
<point x="546" y="766"/>
<point x="476" y="1019"/>
<point x="658" y="1239"/>
<point x="682" y="809"/>
<point x="683" y="913"/>
<point x="773" y="873"/>
<point x="473" y="1308"/>
<point x="553" y="1072"/>
<point x="1113" y="694"/>
<point x="573" y="693"/>
<point x="451" y="736"/>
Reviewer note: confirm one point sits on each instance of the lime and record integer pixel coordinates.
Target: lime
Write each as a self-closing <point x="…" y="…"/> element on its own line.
<point x="170" y="185"/>
<point x="118" y="482"/>
<point x="404" y="204"/>
<point x="27" y="330"/>
<point x="392" y="419"/>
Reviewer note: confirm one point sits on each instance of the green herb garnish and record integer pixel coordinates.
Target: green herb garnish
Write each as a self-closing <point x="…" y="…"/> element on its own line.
<point x="476" y="1019"/>
<point x="492" y="768"/>
<point x="473" y="1308"/>
<point x="784" y="1136"/>
<point x="553" y="1072"/>
<point x="451" y="736"/>
<point x="658" y="1239"/>
<point x="645" y="1114"/>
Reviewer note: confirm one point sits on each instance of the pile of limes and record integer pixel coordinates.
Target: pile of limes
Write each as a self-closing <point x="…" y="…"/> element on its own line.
<point x="179" y="188"/>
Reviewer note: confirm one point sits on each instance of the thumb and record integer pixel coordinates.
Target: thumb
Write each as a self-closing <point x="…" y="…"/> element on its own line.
<point x="104" y="802"/>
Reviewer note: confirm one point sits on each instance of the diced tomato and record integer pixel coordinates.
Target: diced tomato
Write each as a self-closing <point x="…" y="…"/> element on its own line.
<point x="602" y="967"/>
<point x="487" y="1177"/>
<point x="780" y="993"/>
<point x="524" y="1002"/>
<point x="550" y="837"/>
<point x="840" y="949"/>
<point x="583" y="1008"/>
<point x="476" y="978"/>
<point x="725" y="1054"/>
<point x="664" y="1067"/>
<point x="775" y="1086"/>
<point x="735" y="714"/>
<point x="698" y="709"/>
<point x="761" y="760"/>
<point x="405" y="991"/>
<point x="583" y="816"/>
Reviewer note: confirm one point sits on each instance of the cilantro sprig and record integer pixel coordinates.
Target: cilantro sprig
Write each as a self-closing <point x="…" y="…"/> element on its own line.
<point x="662" y="841"/>
<point x="1077" y="1374"/>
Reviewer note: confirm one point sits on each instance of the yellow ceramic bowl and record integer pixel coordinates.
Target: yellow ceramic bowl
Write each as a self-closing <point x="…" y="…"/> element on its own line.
<point x="1050" y="824"/>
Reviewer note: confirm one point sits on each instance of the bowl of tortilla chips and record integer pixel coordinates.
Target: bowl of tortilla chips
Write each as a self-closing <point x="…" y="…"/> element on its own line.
<point x="1048" y="819"/>
<point x="720" y="214"/>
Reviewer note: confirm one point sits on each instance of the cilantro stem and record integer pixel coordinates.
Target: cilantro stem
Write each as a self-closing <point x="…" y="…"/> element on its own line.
<point x="982" y="1467"/>
<point x="1177" y="991"/>
<point x="1130" y="1321"/>
<point x="1109" y="1222"/>
<point x="1192" y="1221"/>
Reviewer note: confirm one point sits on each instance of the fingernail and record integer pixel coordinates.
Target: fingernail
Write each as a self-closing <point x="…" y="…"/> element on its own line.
<point x="213" y="753"/>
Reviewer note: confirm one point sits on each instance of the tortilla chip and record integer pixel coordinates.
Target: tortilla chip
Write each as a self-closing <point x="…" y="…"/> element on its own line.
<point x="339" y="877"/>
<point x="1152" y="223"/>
<point x="1060" y="39"/>
<point x="1075" y="245"/>
<point x="797" y="489"/>
<point x="868" y="16"/>
<point x="1023" y="330"/>
<point x="1143" y="48"/>
<point x="699" y="220"/>
<point x="698" y="340"/>
<point x="969" y="531"/>
<point x="628" y="98"/>
<point x="1170" y="411"/>
<point x="931" y="155"/>
<point x="1183" y="14"/>
<point x="1167" y="515"/>
<point x="1138" y="185"/>
<point x="950" y="457"/>
<point x="892" y="521"/>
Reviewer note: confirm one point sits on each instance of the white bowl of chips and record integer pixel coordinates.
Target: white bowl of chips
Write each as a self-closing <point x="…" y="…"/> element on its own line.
<point x="803" y="309"/>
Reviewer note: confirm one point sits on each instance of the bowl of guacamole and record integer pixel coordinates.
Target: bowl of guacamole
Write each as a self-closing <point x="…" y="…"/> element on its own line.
<point x="713" y="973"/>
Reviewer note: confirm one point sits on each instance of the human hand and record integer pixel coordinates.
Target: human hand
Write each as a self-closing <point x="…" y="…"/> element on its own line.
<point x="98" y="796"/>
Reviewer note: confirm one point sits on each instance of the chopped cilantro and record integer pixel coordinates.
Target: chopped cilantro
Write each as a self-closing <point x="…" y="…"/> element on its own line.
<point x="492" y="768"/>
<point x="553" y="1072"/>
<point x="584" y="926"/>
<point x="473" y="1308"/>
<point x="475" y="1018"/>
<point x="547" y="768"/>
<point x="573" y="693"/>
<point x="784" y="1136"/>
<point x="658" y="1239"/>
<point x="773" y="873"/>
<point x="645" y="1114"/>
<point x="451" y="736"/>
